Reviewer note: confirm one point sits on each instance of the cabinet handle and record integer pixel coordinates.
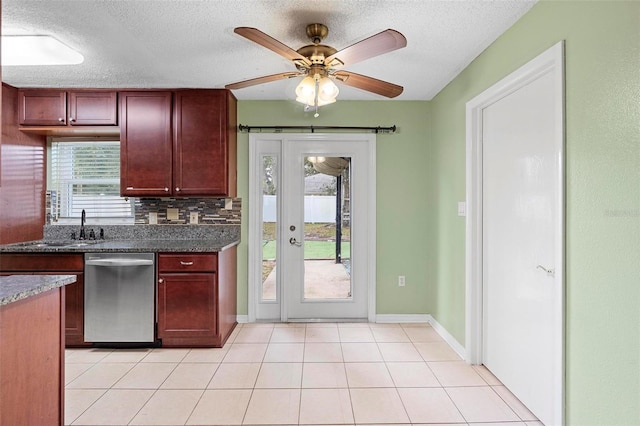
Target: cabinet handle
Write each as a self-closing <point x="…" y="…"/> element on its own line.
<point x="177" y="189"/>
<point x="161" y="281"/>
<point x="166" y="189"/>
<point x="183" y="263"/>
<point x="60" y="120"/>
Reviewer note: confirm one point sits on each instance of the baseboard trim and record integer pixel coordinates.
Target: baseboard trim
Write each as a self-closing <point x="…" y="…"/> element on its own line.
<point x="455" y="345"/>
<point x="402" y="318"/>
<point x="406" y="319"/>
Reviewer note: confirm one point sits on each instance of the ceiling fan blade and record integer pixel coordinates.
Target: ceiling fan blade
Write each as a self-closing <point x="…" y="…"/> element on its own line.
<point x="386" y="41"/>
<point x="260" y="80"/>
<point x="270" y="43"/>
<point x="369" y="84"/>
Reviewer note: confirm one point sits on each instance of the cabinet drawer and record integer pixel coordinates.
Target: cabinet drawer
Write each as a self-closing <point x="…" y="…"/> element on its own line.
<point x="187" y="262"/>
<point x="14" y="262"/>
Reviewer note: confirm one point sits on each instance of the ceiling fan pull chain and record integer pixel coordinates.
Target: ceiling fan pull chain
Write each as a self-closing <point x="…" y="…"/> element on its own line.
<point x="315" y="100"/>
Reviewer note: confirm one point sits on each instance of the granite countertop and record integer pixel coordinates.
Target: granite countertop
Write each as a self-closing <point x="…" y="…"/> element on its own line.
<point x="18" y="287"/>
<point x="121" y="246"/>
<point x="133" y="239"/>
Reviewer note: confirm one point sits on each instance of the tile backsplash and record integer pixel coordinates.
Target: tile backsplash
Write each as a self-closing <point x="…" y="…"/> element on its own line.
<point x="209" y="211"/>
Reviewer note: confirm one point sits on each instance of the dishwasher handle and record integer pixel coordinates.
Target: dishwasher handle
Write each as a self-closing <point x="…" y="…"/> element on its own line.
<point x="119" y="262"/>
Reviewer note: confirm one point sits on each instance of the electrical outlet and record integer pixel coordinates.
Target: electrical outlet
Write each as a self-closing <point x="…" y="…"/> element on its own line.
<point x="228" y="203"/>
<point x="193" y="218"/>
<point x="153" y="218"/>
<point x="401" y="281"/>
<point x="172" y="214"/>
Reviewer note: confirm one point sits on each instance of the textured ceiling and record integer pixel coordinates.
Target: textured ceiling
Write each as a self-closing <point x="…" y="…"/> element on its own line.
<point x="190" y="43"/>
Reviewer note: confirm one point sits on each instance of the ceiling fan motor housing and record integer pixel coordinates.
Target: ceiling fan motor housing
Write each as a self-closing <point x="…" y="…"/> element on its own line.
<point x="317" y="32"/>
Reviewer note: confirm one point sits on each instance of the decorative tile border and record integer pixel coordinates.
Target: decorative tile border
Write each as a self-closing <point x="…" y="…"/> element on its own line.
<point x="211" y="211"/>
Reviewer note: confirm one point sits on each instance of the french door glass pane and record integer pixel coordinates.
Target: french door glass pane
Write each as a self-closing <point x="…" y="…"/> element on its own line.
<point x="269" y="226"/>
<point x="327" y="225"/>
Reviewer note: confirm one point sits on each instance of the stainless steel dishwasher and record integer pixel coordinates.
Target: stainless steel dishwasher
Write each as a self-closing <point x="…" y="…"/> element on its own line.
<point x="119" y="297"/>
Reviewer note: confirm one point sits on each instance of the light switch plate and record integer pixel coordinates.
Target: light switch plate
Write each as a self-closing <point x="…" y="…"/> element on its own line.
<point x="193" y="218"/>
<point x="153" y="218"/>
<point x="172" y="214"/>
<point x="462" y="208"/>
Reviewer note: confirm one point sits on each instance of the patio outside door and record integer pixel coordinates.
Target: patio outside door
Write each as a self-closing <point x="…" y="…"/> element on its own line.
<point x="317" y="198"/>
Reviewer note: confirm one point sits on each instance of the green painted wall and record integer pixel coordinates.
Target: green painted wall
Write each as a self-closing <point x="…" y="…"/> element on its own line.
<point x="603" y="195"/>
<point x="403" y="207"/>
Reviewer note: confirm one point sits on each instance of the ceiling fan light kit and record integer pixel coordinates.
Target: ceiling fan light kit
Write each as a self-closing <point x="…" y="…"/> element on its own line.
<point x="320" y="64"/>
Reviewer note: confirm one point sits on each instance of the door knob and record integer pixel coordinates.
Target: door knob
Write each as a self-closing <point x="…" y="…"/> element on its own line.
<point x="547" y="270"/>
<point x="294" y="242"/>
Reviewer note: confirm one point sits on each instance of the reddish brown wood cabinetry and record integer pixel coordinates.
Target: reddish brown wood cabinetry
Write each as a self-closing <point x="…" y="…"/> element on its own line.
<point x="145" y="143"/>
<point x="93" y="108"/>
<point x="204" y="150"/>
<point x="194" y="292"/>
<point x="192" y="154"/>
<point x="42" y="108"/>
<point x="32" y="360"/>
<point x="62" y="108"/>
<point x="55" y="264"/>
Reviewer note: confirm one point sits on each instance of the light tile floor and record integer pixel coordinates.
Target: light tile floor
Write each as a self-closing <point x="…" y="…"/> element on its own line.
<point x="282" y="374"/>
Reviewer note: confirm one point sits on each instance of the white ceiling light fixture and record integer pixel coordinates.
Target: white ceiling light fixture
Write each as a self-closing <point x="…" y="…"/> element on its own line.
<point x="316" y="91"/>
<point x="37" y="50"/>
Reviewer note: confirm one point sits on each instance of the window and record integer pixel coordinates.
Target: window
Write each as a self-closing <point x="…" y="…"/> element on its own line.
<point x="86" y="175"/>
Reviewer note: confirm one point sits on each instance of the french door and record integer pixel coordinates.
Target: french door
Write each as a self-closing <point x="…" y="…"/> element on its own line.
<point x="312" y="227"/>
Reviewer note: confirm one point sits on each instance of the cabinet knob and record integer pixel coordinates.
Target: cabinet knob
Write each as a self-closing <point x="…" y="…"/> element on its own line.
<point x="161" y="280"/>
<point x="166" y="189"/>
<point x="72" y="119"/>
<point x="60" y="120"/>
<point x="177" y="189"/>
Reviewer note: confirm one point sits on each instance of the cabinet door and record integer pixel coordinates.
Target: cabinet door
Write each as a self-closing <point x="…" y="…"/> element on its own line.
<point x="74" y="312"/>
<point x="187" y="308"/>
<point x="145" y="143"/>
<point x="92" y="108"/>
<point x="42" y="107"/>
<point x="201" y="160"/>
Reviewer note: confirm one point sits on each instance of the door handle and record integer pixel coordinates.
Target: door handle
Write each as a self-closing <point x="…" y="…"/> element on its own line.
<point x="547" y="270"/>
<point x="294" y="242"/>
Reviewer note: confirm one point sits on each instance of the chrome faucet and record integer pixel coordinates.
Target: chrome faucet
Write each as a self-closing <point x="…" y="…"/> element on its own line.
<point x="83" y="218"/>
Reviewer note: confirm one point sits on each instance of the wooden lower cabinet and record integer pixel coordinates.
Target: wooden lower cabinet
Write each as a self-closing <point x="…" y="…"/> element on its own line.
<point x="194" y="298"/>
<point x="74" y="313"/>
<point x="32" y="360"/>
<point x="187" y="308"/>
<point x="55" y="264"/>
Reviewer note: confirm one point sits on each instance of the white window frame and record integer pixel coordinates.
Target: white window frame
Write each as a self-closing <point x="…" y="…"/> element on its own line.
<point x="66" y="220"/>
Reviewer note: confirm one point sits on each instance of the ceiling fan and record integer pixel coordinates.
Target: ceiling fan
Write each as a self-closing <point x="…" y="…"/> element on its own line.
<point x="320" y="64"/>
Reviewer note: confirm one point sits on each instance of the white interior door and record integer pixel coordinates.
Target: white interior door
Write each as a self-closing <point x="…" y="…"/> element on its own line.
<point x="521" y="228"/>
<point x="312" y="263"/>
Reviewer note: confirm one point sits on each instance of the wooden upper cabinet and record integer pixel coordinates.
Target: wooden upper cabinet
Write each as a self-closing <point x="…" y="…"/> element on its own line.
<point x="62" y="108"/>
<point x="93" y="109"/>
<point x="145" y="143"/>
<point x="42" y="107"/>
<point x="204" y="145"/>
<point x="194" y="154"/>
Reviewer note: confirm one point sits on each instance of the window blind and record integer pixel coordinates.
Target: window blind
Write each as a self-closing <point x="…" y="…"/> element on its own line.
<point x="86" y="175"/>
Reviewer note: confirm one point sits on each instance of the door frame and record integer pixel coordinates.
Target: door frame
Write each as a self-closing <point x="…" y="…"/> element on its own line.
<point x="550" y="61"/>
<point x="255" y="217"/>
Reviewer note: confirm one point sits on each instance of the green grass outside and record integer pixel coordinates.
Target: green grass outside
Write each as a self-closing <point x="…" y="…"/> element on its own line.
<point x="312" y="250"/>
